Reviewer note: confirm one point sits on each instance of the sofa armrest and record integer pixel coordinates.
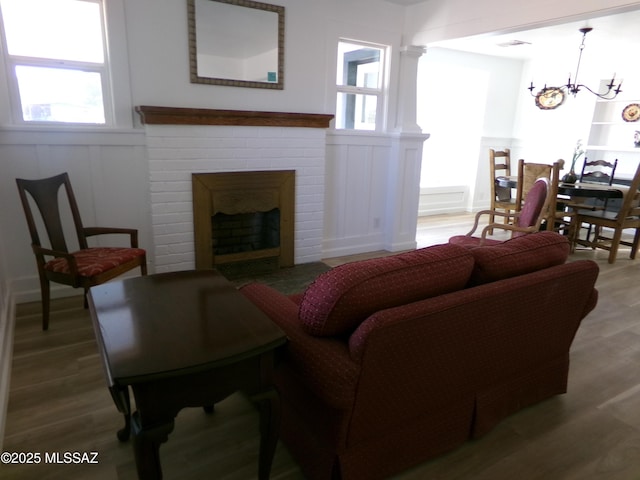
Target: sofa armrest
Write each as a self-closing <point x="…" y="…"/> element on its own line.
<point x="591" y="303"/>
<point x="323" y="364"/>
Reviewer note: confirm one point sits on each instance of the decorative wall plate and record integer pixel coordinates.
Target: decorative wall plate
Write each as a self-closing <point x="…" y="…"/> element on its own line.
<point x="631" y="113"/>
<point x="549" y="98"/>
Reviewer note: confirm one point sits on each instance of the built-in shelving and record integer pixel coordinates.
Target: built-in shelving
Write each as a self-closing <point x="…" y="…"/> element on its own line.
<point x="612" y="138"/>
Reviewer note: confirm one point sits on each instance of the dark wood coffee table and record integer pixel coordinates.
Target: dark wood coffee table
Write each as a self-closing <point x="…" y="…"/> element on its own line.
<point x="183" y="339"/>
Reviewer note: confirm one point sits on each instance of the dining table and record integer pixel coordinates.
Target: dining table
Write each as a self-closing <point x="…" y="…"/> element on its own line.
<point x="578" y="189"/>
<point x="569" y="193"/>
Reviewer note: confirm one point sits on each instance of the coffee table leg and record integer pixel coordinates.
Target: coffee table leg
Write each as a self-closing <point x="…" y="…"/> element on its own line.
<point x="125" y="432"/>
<point x="120" y="395"/>
<point x="269" y="407"/>
<point x="146" y="447"/>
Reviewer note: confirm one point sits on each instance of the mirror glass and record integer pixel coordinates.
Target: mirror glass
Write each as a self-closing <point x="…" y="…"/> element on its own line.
<point x="238" y="43"/>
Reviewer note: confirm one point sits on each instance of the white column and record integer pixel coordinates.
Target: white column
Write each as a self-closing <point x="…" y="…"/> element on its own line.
<point x="406" y="118"/>
<point x="403" y="180"/>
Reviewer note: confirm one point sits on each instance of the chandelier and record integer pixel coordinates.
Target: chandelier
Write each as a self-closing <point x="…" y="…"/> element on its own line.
<point x="552" y="97"/>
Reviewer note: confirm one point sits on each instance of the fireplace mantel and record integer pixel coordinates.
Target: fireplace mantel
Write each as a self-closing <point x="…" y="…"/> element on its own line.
<point x="203" y="116"/>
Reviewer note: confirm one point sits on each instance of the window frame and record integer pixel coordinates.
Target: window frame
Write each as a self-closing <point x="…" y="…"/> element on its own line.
<point x="380" y="93"/>
<point x="103" y="69"/>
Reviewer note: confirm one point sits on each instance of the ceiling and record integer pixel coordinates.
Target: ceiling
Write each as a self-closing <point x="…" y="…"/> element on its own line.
<point x="616" y="35"/>
<point x="614" y="38"/>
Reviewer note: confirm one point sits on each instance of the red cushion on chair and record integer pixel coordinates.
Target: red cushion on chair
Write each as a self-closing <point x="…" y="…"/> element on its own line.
<point x="340" y="299"/>
<point x="93" y="261"/>
<point x="533" y="204"/>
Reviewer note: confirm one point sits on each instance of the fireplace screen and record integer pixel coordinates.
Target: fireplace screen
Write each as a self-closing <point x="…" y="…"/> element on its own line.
<point x="243" y="217"/>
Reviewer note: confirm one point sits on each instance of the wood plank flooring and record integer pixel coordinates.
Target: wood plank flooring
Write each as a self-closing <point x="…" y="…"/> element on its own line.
<point x="59" y="403"/>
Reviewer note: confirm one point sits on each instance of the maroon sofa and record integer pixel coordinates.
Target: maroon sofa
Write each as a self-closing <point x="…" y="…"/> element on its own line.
<point x="395" y="360"/>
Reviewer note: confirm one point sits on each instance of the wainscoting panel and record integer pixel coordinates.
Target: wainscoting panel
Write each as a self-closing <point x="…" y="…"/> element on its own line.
<point x="438" y="200"/>
<point x="372" y="189"/>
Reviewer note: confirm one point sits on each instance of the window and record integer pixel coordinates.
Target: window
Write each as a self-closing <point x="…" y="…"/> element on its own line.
<point x="56" y="60"/>
<point x="360" y="75"/>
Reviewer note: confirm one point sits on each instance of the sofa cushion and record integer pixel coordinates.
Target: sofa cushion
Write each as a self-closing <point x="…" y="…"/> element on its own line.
<point x="340" y="299"/>
<point x="518" y="256"/>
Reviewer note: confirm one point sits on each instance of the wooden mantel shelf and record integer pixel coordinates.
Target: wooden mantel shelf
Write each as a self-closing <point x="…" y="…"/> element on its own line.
<point x="204" y="116"/>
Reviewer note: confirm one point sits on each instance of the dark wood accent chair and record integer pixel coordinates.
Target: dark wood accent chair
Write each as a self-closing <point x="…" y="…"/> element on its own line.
<point x="598" y="171"/>
<point x="85" y="267"/>
<point x="614" y="221"/>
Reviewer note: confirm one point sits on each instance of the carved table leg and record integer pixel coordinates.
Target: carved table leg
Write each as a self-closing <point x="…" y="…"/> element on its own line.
<point x="269" y="407"/>
<point x="146" y="447"/>
<point x="120" y="397"/>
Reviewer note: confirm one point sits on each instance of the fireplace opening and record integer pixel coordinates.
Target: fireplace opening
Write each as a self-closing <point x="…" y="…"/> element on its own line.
<point x="245" y="232"/>
<point x="244" y="219"/>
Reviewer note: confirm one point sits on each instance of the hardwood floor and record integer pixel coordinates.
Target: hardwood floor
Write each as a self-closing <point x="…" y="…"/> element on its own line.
<point x="59" y="403"/>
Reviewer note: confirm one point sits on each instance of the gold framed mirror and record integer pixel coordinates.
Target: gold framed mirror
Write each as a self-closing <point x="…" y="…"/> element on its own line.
<point x="238" y="43"/>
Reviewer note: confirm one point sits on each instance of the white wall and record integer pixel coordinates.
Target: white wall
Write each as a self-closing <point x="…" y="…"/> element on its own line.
<point x="110" y="170"/>
<point x="465" y="101"/>
<point x="158" y="54"/>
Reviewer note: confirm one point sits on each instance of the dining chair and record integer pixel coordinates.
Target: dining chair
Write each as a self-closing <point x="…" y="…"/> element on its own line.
<point x="598" y="172"/>
<point x="559" y="218"/>
<point x="609" y="225"/>
<point x="501" y="197"/>
<point x="85" y="267"/>
<point x="527" y="220"/>
<point x="528" y="173"/>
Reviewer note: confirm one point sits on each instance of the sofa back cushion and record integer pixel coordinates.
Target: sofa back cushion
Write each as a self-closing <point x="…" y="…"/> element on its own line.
<point x="518" y="256"/>
<point x="340" y="299"/>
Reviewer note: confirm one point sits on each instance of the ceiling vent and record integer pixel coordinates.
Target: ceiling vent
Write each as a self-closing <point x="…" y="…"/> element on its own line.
<point x="513" y="43"/>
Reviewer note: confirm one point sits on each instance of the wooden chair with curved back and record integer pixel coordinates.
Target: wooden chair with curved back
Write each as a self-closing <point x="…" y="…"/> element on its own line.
<point x="501" y="197"/>
<point x="615" y="222"/>
<point x="527" y="220"/>
<point x="86" y="267"/>
<point x="597" y="171"/>
<point x="528" y="173"/>
<point x="559" y="218"/>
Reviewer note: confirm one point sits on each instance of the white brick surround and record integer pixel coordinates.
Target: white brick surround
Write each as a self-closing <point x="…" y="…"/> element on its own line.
<point x="177" y="151"/>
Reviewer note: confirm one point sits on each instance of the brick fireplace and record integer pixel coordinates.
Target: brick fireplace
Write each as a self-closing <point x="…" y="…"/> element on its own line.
<point x="181" y="142"/>
<point x="244" y="217"/>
